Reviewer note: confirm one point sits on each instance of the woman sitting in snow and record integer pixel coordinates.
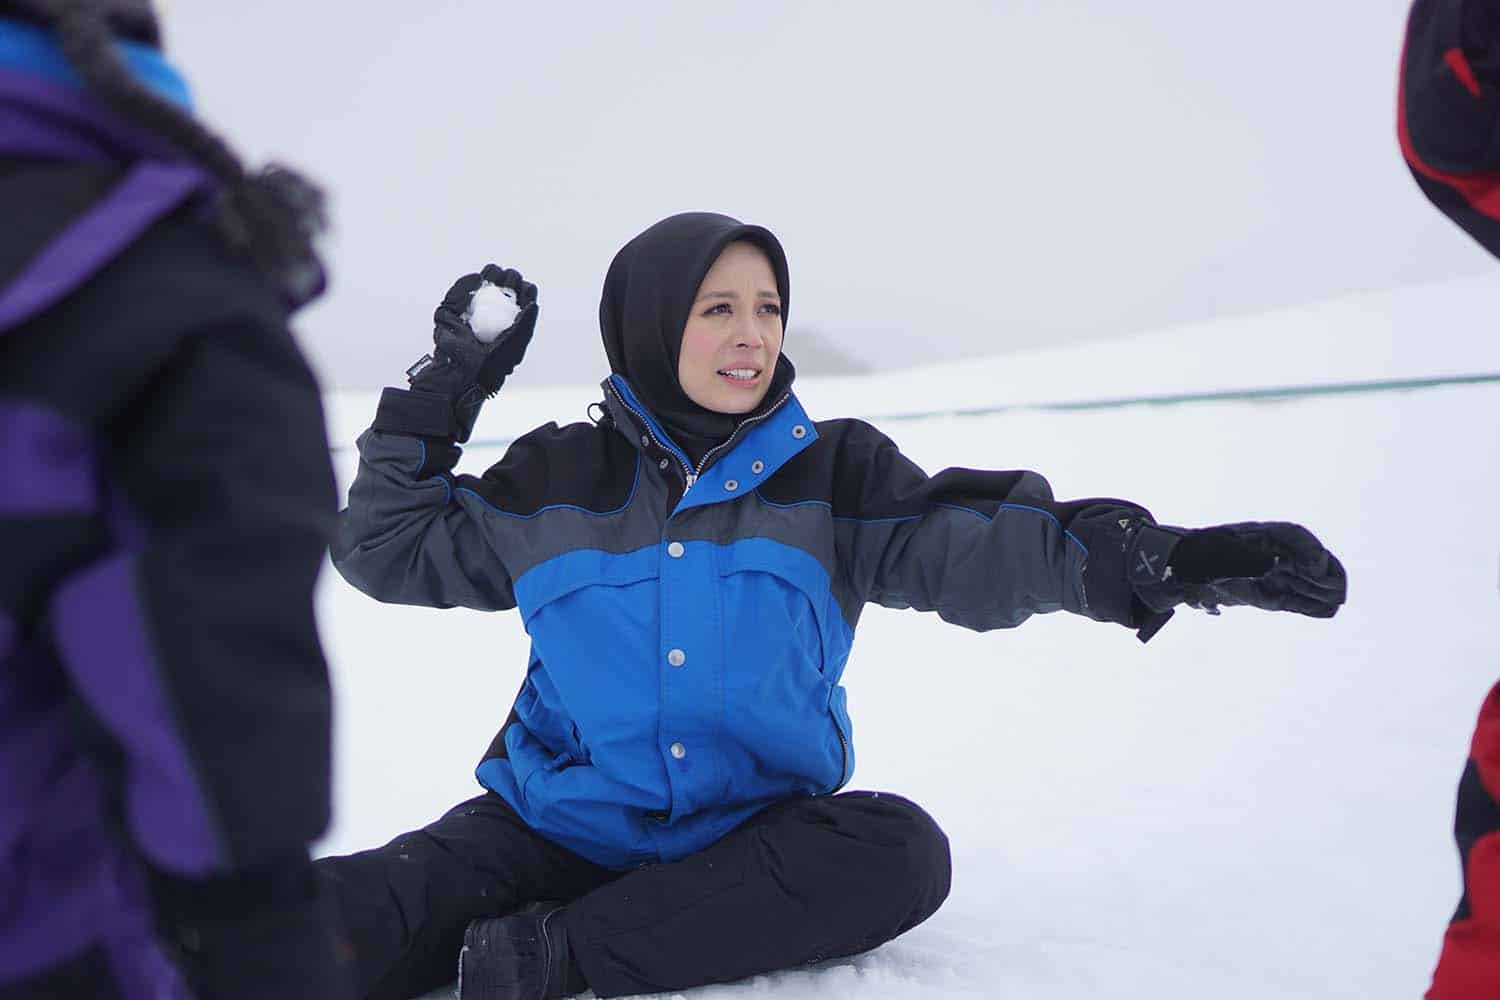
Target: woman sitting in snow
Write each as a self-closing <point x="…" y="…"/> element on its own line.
<point x="661" y="809"/>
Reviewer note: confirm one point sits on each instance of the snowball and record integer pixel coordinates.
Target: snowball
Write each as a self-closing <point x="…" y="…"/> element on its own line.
<point x="492" y="311"/>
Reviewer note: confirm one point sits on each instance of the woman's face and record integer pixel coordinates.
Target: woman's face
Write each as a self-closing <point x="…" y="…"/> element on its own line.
<point x="733" y="334"/>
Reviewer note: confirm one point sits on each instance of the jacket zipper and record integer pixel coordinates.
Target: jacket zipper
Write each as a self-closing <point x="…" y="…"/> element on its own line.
<point x="731" y="439"/>
<point x="687" y="470"/>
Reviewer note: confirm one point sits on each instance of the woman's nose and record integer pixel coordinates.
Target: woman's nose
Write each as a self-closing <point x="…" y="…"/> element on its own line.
<point x="747" y="333"/>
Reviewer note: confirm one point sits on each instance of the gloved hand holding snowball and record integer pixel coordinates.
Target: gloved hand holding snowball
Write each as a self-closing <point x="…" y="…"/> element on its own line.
<point x="492" y="311"/>
<point x="480" y="334"/>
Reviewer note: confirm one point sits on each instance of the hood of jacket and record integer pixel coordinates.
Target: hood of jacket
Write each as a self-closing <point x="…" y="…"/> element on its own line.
<point x="648" y="294"/>
<point x="132" y="19"/>
<point x="79" y="183"/>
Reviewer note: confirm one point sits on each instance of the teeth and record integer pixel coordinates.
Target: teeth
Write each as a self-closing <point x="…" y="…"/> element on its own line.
<point x="745" y="373"/>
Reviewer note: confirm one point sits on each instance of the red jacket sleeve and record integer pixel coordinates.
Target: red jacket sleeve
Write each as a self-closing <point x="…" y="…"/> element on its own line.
<point x="1448" y="115"/>
<point x="1448" y="121"/>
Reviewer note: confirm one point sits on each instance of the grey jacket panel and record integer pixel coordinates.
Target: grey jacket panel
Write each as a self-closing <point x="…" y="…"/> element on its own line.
<point x="984" y="549"/>
<point x="401" y="541"/>
<point x="447" y="541"/>
<point x="987" y="560"/>
<point x="976" y="571"/>
<point x="527" y="540"/>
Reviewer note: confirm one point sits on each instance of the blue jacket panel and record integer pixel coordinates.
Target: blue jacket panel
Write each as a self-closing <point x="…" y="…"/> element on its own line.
<point x="689" y="633"/>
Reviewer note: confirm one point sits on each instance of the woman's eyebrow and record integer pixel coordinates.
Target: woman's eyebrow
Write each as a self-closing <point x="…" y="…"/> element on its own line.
<point x="762" y="294"/>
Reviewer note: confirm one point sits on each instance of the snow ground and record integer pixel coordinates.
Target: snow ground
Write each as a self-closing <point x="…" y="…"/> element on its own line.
<point x="1250" y="806"/>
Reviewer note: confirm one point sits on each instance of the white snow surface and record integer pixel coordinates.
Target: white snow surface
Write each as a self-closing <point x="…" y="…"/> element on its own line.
<point x="492" y="311"/>
<point x="1251" y="806"/>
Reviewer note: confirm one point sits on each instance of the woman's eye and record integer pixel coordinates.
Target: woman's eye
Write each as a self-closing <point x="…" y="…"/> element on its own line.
<point x="772" y="309"/>
<point x="722" y="309"/>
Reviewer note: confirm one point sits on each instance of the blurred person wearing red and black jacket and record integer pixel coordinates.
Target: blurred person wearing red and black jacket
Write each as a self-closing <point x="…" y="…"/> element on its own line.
<point x="1449" y="127"/>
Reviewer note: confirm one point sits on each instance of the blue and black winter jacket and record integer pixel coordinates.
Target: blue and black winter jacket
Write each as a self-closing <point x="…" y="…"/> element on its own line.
<point x="689" y="635"/>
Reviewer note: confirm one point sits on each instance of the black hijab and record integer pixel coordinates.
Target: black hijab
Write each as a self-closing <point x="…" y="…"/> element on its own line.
<point x="648" y="295"/>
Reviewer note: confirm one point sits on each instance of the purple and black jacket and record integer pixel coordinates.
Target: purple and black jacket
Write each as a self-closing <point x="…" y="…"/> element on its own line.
<point x="165" y="504"/>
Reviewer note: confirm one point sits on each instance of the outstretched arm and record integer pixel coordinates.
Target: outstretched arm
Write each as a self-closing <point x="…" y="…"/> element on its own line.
<point x="989" y="549"/>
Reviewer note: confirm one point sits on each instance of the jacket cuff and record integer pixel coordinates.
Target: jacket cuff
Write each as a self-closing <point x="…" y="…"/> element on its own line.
<point x="1105" y="580"/>
<point x="1115" y="565"/>
<point x="414" y="412"/>
<point x="1148" y="559"/>
<point x="1148" y="554"/>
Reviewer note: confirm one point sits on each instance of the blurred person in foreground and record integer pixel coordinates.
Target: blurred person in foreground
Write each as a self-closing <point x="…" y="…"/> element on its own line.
<point x="1448" y="124"/>
<point x="165" y="500"/>
<point x="665" y="803"/>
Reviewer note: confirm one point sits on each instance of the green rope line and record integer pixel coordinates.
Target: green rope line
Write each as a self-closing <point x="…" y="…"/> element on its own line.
<point x="1172" y="399"/>
<point x="1229" y="395"/>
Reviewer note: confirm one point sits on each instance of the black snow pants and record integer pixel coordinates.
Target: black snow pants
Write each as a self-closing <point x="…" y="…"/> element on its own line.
<point x="805" y="880"/>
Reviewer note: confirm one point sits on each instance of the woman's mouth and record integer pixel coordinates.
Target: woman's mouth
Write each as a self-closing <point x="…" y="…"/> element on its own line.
<point x="741" y="378"/>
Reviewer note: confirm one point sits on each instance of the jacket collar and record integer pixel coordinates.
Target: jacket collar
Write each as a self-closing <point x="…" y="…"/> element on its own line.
<point x="752" y="455"/>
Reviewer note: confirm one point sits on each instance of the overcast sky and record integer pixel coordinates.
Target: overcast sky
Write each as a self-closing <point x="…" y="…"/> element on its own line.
<point x="948" y="178"/>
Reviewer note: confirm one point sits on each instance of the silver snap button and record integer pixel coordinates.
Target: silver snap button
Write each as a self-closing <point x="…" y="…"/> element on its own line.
<point x="645" y="440"/>
<point x="675" y="550"/>
<point x="679" y="751"/>
<point x="757" y="466"/>
<point x="799" y="432"/>
<point x="731" y="484"/>
<point x="677" y="657"/>
<point x="662" y="465"/>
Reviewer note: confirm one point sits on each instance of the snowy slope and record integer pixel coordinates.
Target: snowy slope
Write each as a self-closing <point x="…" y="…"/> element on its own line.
<point x="1248" y="807"/>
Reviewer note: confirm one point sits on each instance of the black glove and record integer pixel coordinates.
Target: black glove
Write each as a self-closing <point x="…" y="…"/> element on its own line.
<point x="461" y="367"/>
<point x="1269" y="565"/>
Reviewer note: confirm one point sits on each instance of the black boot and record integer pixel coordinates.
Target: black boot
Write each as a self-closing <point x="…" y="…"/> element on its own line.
<point x="522" y="956"/>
